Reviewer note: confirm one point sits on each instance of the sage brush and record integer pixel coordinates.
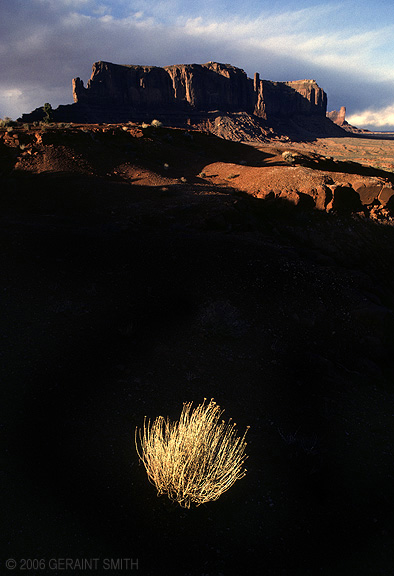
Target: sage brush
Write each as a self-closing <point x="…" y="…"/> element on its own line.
<point x="194" y="460"/>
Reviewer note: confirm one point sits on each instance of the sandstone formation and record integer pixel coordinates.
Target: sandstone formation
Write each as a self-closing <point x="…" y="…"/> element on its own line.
<point x="121" y="93"/>
<point x="338" y="116"/>
<point x="198" y="88"/>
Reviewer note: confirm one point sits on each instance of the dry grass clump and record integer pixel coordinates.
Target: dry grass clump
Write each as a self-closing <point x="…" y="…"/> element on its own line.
<point x="194" y="460"/>
<point x="289" y="157"/>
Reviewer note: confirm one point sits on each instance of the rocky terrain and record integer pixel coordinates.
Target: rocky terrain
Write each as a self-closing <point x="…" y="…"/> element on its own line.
<point x="145" y="266"/>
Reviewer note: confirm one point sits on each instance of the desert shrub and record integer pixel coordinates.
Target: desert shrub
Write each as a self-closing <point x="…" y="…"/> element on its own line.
<point x="156" y="123"/>
<point x="48" y="117"/>
<point x="6" y="121"/>
<point x="194" y="460"/>
<point x="145" y="125"/>
<point x="288" y="157"/>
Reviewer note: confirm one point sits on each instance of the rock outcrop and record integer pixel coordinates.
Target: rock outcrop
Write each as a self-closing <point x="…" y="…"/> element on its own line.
<point x="338" y="116"/>
<point x="119" y="93"/>
<point x="289" y="99"/>
<point x="196" y="88"/>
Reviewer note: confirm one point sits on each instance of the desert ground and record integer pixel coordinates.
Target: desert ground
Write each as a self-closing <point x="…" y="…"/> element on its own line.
<point x="147" y="267"/>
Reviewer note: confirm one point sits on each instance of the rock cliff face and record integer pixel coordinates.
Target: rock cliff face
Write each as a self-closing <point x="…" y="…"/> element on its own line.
<point x="185" y="94"/>
<point x="183" y="88"/>
<point x="194" y="88"/>
<point x="338" y="116"/>
<point x="287" y="99"/>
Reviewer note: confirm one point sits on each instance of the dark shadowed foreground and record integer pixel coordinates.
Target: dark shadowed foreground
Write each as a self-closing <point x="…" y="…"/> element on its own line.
<point x="125" y="299"/>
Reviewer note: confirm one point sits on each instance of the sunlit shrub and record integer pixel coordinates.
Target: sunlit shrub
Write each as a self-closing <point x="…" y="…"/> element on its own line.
<point x="194" y="460"/>
<point x="288" y="157"/>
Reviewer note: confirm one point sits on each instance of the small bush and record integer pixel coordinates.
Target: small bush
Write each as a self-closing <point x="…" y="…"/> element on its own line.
<point x="194" y="460"/>
<point x="156" y="123"/>
<point x="6" y="121"/>
<point x="48" y="117"/>
<point x="288" y="157"/>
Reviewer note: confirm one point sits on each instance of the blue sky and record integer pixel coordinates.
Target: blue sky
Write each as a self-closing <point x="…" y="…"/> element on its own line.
<point x="347" y="47"/>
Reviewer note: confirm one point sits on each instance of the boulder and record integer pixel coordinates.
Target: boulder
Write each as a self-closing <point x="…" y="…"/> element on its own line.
<point x="386" y="194"/>
<point x="368" y="191"/>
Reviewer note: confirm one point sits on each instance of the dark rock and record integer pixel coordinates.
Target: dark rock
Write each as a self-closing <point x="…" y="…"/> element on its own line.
<point x="287" y="99"/>
<point x="346" y="200"/>
<point x="117" y="93"/>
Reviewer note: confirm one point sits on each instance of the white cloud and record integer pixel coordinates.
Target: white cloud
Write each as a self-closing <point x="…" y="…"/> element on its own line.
<point x="102" y="9"/>
<point x="301" y="35"/>
<point x="380" y="118"/>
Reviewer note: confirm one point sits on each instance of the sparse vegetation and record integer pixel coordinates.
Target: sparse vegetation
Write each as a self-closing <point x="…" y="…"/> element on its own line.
<point x="48" y="115"/>
<point x="194" y="460"/>
<point x="5" y="122"/>
<point x="288" y="157"/>
<point x="156" y="123"/>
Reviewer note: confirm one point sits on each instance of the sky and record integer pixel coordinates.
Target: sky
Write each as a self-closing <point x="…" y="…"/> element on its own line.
<point x="347" y="47"/>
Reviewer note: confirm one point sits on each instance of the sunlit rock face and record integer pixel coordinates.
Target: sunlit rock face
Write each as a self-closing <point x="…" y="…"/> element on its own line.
<point x="338" y="116"/>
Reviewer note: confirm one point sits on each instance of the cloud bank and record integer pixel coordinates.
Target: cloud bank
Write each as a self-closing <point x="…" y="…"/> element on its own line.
<point x="379" y="119"/>
<point x="45" y="43"/>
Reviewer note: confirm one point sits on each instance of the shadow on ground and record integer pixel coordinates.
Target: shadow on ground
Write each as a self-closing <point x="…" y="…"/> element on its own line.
<point x="125" y="301"/>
